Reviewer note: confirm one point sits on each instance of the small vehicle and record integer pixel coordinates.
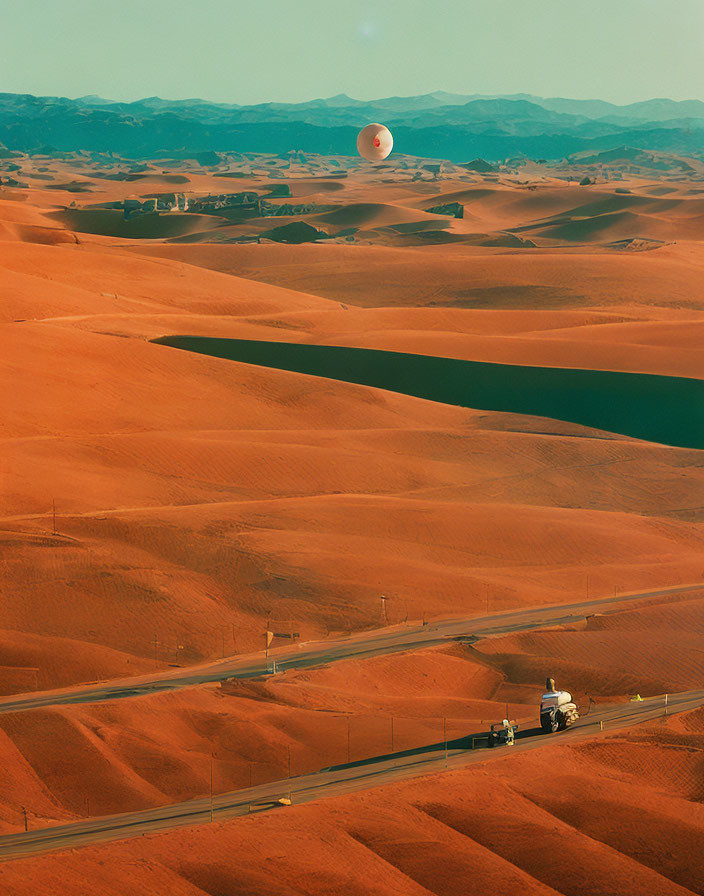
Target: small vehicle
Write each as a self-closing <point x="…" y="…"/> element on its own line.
<point x="505" y="733"/>
<point x="557" y="709"/>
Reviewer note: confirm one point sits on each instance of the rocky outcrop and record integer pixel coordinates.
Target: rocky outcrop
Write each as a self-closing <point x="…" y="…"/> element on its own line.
<point x="451" y="209"/>
<point x="295" y="232"/>
<point x="479" y="165"/>
<point x="12" y="182"/>
<point x="285" y="210"/>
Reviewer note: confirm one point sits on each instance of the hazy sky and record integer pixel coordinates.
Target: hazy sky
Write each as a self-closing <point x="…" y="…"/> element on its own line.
<point x="250" y="51"/>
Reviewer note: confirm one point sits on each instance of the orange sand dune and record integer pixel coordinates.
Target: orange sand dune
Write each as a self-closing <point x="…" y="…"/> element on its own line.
<point x="492" y="824"/>
<point x="194" y="497"/>
<point x="627" y="653"/>
<point x="317" y="718"/>
<point x="463" y="277"/>
<point x="375" y="214"/>
<point x="124" y="763"/>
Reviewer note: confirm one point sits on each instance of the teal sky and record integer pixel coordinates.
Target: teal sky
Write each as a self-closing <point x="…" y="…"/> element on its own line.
<point x="295" y="50"/>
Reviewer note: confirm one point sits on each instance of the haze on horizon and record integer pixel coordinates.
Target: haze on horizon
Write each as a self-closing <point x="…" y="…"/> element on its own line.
<point x="246" y="52"/>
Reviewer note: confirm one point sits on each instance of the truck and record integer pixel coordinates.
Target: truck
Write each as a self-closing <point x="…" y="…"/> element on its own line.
<point x="557" y="709"/>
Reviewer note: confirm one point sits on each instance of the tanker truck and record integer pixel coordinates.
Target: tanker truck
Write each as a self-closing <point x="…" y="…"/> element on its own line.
<point x="557" y="710"/>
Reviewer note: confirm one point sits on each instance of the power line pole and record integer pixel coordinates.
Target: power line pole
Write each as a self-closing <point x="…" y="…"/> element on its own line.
<point x="349" y="754"/>
<point x="26" y="824"/>
<point x="392" y="734"/>
<point x="444" y="736"/>
<point x="53" y="517"/>
<point x="212" y="757"/>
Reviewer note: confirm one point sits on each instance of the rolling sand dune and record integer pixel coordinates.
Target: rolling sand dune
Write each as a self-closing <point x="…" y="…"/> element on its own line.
<point x="160" y="508"/>
<point x="109" y="222"/>
<point x="252" y="727"/>
<point x="373" y="215"/>
<point x="631" y="646"/>
<point x="436" y="834"/>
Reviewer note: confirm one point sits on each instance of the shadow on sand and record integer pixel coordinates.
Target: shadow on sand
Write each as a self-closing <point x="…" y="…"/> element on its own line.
<point x="662" y="409"/>
<point x="477" y="741"/>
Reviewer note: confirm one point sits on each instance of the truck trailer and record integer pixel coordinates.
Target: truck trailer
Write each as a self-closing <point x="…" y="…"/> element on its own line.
<point x="557" y="709"/>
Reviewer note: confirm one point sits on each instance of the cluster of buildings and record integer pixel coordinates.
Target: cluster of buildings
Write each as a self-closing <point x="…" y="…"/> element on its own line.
<point x="248" y="203"/>
<point x="256" y="206"/>
<point x="167" y="202"/>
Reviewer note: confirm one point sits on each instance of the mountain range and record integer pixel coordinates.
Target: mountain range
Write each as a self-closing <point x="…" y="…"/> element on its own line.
<point x="435" y="125"/>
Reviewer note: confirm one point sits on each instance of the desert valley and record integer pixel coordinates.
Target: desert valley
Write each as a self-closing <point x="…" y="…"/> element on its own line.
<point x="172" y="506"/>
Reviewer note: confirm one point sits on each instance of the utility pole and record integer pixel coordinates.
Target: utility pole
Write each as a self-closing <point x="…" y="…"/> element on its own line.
<point x="444" y="736"/>
<point x="212" y="757"/>
<point x="384" y="617"/>
<point x="26" y="824"/>
<point x="392" y="734"/>
<point x="156" y="650"/>
<point x="53" y="517"/>
<point x="349" y="737"/>
<point x="289" y="760"/>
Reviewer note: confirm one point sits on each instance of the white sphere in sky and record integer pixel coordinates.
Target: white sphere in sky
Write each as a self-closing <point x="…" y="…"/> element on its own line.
<point x="375" y="142"/>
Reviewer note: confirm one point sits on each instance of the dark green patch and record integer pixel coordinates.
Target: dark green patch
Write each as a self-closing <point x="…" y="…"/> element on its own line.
<point x="662" y="409"/>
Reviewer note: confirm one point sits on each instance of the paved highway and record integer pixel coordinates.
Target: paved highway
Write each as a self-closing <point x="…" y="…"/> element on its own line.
<point x="332" y="781"/>
<point x="317" y="653"/>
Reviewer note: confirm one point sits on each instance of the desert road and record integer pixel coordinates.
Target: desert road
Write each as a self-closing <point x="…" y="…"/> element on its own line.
<point x="318" y="653"/>
<point x="334" y="781"/>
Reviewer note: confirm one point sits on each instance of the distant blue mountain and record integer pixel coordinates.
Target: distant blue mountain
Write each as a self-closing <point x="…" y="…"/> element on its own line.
<point x="434" y="125"/>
